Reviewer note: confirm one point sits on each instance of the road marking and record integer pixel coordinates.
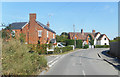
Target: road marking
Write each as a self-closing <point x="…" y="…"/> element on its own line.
<point x="53" y="63"/>
<point x="83" y="72"/>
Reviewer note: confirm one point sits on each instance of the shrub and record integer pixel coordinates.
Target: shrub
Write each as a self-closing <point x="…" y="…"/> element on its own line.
<point x="102" y="46"/>
<point x="113" y="40"/>
<point x="86" y="46"/>
<point x="16" y="60"/>
<point x="79" y="43"/>
<point x="39" y="48"/>
<point x="57" y="50"/>
<point x="64" y="49"/>
<point x="69" y="42"/>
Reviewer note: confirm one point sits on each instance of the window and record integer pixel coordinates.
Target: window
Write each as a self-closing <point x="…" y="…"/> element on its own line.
<point x="39" y="33"/>
<point x="47" y="34"/>
<point x="105" y="44"/>
<point x="104" y="38"/>
<point x="53" y="36"/>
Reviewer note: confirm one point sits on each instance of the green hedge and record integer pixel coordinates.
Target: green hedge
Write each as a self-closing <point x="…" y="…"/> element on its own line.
<point x="79" y="43"/>
<point x="86" y="46"/>
<point x="71" y="42"/>
<point x="102" y="46"/>
<point x="64" y="49"/>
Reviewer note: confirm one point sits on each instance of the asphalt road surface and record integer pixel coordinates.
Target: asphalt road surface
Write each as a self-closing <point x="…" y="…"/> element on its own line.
<point x="82" y="62"/>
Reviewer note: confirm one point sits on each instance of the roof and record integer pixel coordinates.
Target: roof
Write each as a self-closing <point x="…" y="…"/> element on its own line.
<point x="81" y="36"/>
<point x="97" y="34"/>
<point x="45" y="27"/>
<point x="101" y="36"/>
<point x="17" y="25"/>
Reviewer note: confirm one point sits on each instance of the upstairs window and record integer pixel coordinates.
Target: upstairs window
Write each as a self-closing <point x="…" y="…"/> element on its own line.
<point x="104" y="38"/>
<point x="47" y="34"/>
<point x="39" y="33"/>
<point x="53" y="36"/>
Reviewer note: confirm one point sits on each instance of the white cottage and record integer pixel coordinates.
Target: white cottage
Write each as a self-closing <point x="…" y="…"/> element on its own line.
<point x="101" y="39"/>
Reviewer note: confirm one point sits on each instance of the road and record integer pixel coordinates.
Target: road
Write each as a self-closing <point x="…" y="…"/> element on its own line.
<point x="82" y="62"/>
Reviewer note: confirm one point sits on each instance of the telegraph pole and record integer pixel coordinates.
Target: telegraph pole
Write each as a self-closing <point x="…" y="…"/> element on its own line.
<point x="74" y="36"/>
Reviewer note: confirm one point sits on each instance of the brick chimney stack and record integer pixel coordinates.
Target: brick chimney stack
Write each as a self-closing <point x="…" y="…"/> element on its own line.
<point x="48" y="25"/>
<point x="32" y="16"/>
<point x="82" y="32"/>
<point x="93" y="31"/>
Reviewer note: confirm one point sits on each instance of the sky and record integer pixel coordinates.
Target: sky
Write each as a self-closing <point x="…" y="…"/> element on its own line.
<point x="100" y="16"/>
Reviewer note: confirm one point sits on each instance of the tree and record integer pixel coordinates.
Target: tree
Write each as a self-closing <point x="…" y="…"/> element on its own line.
<point x="91" y="40"/>
<point x="62" y="37"/>
<point x="64" y="34"/>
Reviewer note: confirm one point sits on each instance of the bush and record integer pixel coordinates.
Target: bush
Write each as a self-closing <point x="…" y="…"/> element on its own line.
<point x="69" y="42"/>
<point x="102" y="46"/>
<point x="64" y="49"/>
<point x="79" y="43"/>
<point x="86" y="46"/>
<point x="39" y="48"/>
<point x="113" y="40"/>
<point x="16" y="60"/>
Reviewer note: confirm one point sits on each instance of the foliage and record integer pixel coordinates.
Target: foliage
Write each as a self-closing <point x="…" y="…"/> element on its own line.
<point x="102" y="46"/>
<point x="61" y="38"/>
<point x="39" y="48"/>
<point x="16" y="60"/>
<point x="22" y="37"/>
<point x="79" y="43"/>
<point x="64" y="34"/>
<point x="86" y="46"/>
<point x="117" y="38"/>
<point x="69" y="42"/>
<point x="91" y="40"/>
<point x="113" y="40"/>
<point x="64" y="49"/>
<point x="5" y="34"/>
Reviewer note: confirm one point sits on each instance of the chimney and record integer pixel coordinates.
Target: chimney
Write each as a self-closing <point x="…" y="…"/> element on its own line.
<point x="48" y="25"/>
<point x="82" y="32"/>
<point x="93" y="31"/>
<point x="32" y="17"/>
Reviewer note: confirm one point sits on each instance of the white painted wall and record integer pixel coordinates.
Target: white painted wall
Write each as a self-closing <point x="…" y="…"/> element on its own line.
<point x="95" y="39"/>
<point x="103" y="41"/>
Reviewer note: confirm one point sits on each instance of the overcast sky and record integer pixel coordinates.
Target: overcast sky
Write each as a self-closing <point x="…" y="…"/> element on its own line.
<point x="101" y="16"/>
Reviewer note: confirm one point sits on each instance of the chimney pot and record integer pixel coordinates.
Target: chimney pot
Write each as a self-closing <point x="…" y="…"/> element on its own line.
<point x="93" y="31"/>
<point x="48" y="25"/>
<point x="82" y="31"/>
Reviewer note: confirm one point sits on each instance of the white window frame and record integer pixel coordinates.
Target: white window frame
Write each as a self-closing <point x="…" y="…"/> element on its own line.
<point x="39" y="33"/>
<point x="47" y="34"/>
<point x="53" y="36"/>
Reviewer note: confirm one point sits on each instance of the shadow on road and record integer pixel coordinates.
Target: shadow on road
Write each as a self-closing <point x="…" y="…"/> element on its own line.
<point x="111" y="59"/>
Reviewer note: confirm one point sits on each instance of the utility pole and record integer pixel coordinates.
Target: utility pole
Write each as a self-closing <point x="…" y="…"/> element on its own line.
<point x="74" y="36"/>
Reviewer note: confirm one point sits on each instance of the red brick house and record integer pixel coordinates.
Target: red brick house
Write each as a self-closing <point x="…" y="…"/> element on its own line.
<point x="35" y="32"/>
